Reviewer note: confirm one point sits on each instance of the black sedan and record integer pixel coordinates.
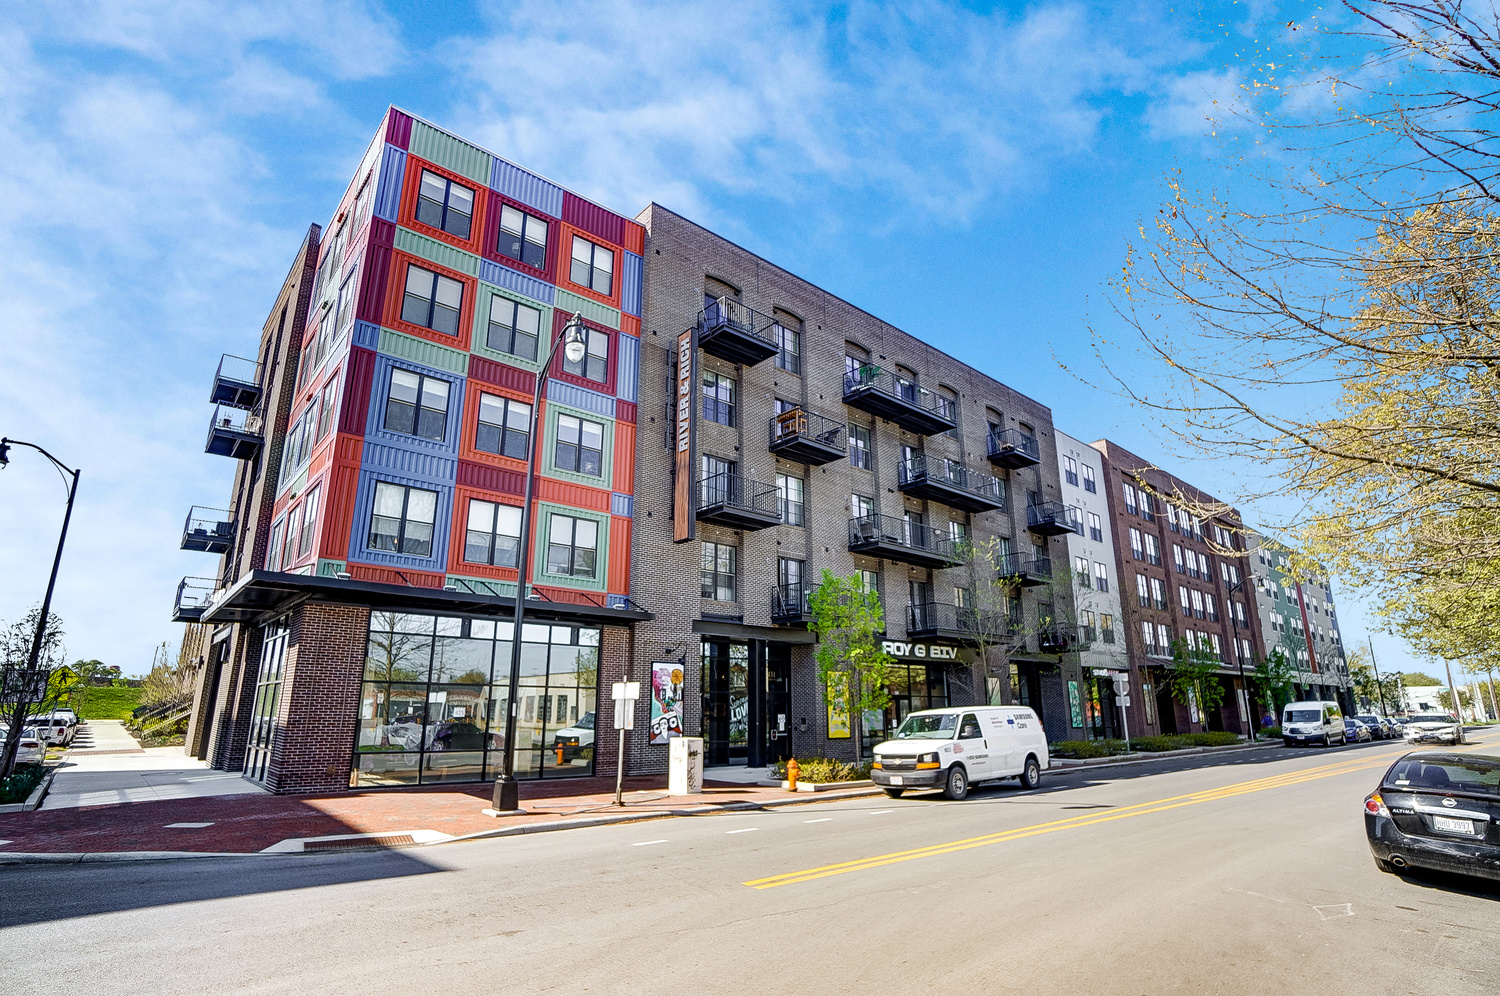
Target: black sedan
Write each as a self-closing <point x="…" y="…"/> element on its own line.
<point x="1437" y="810"/>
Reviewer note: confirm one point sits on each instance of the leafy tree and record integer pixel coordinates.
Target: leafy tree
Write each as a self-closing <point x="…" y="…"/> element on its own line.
<point x="15" y="656"/>
<point x="1273" y="679"/>
<point x="849" y="622"/>
<point x="1194" y="677"/>
<point x="1416" y="679"/>
<point x="1383" y="692"/>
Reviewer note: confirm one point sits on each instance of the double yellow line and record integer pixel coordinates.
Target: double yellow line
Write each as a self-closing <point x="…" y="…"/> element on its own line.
<point x="1085" y="820"/>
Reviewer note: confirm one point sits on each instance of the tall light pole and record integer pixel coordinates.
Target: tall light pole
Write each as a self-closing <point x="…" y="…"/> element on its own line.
<point x="507" y="797"/>
<point x="13" y="741"/>
<point x="1379" y="689"/>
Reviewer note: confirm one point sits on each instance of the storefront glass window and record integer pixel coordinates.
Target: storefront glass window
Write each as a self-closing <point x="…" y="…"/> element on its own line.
<point x="912" y="687"/>
<point x="433" y="702"/>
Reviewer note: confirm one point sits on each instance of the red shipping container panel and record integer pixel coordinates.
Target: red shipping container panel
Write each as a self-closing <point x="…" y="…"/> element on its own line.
<point x="338" y="500"/>
<point x="625" y="411"/>
<point x="460" y="519"/>
<point x="395" y="288"/>
<point x="372" y="284"/>
<point x="499" y="480"/>
<point x="355" y="407"/>
<point x="410" y="189"/>
<point x="489" y="247"/>
<point x="469" y="429"/>
<point x="593" y="219"/>
<point x="635" y="238"/>
<point x="630" y="325"/>
<point x="624" y="474"/>
<point x="384" y="575"/>
<point x="503" y="375"/>
<point x="557" y="492"/>
<point x="619" y="556"/>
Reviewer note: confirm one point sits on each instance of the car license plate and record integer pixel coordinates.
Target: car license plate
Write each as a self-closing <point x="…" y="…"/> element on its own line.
<point x="896" y="780"/>
<point x="1452" y="825"/>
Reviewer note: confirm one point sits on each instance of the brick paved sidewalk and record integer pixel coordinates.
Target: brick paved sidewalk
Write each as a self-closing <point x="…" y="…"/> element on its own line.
<point x="249" y="823"/>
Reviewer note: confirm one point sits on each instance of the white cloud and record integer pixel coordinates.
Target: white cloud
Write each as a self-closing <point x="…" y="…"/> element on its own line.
<point x="1196" y="104"/>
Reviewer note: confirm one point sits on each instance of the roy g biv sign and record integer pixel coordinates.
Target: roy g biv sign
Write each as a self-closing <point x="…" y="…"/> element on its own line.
<point x="907" y="650"/>
<point x="685" y="424"/>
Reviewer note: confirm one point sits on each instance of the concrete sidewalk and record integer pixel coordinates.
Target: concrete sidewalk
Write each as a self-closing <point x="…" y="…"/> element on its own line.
<point x="102" y="736"/>
<point x="104" y="777"/>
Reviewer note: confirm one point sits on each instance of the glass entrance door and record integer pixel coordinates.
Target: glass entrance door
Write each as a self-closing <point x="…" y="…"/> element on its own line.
<point x="726" y="702"/>
<point x="778" y="721"/>
<point x="267" y="700"/>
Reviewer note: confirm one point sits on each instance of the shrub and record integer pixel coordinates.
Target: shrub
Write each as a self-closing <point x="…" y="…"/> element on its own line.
<point x="22" y="782"/>
<point x="820" y="770"/>
<point x="1086" y="748"/>
<point x="1270" y="731"/>
<point x="1151" y="744"/>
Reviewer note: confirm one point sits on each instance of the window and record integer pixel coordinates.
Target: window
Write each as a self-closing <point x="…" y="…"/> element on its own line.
<point x="861" y="507"/>
<point x="309" y="521"/>
<point x="859" y="447"/>
<point x="1153" y="551"/>
<point x="1197" y="603"/>
<point x="1081" y="569"/>
<point x="1239" y="613"/>
<point x="445" y="205"/>
<point x="1177" y="557"/>
<point x="958" y="534"/>
<point x="718" y="398"/>
<point x="789" y="494"/>
<point x="523" y="237"/>
<point x="1136" y="549"/>
<point x="595" y="362"/>
<point x="432" y="300"/>
<point x="494" y="534"/>
<point x="715" y="480"/>
<point x="1203" y="570"/>
<point x="417" y="405"/>
<point x="1218" y="648"/>
<point x="1096" y="528"/>
<point x="1130" y="499"/>
<point x="294" y="533"/>
<point x="1106" y="627"/>
<point x="788" y="341"/>
<point x="328" y="406"/>
<point x="345" y="313"/>
<point x="719" y="572"/>
<point x="1070" y="470"/>
<point x="1159" y="594"/>
<point x="273" y="551"/>
<point x="580" y="446"/>
<point x="1101" y="576"/>
<point x="869" y="581"/>
<point x="1210" y="609"/>
<point x="1147" y="504"/>
<point x="1197" y="529"/>
<point x="504" y="427"/>
<point x="1148" y="637"/>
<point x="1182" y="594"/>
<point x="1140" y="590"/>
<point x="363" y="199"/>
<point x="593" y="266"/>
<point x="1164" y="637"/>
<point x="1172" y="518"/>
<point x="514" y="327"/>
<point x="572" y="546"/>
<point x="1089" y="484"/>
<point x="403" y="519"/>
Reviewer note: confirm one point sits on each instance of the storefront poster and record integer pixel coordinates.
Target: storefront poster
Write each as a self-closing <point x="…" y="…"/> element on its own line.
<point x="1075" y="704"/>
<point x="838" y="709"/>
<point x="666" y="701"/>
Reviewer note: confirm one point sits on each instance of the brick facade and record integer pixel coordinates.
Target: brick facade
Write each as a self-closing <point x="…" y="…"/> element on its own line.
<point x="319" y="705"/>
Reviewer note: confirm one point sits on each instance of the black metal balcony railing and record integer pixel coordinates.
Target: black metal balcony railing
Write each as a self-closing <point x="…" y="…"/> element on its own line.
<point x="1025" y="571"/>
<point x="791" y="603"/>
<point x="236" y="382"/>
<point x="1053" y="518"/>
<point x="901" y="539"/>
<point x="732" y="500"/>
<point x="1014" y="449"/>
<point x="208" y="530"/>
<point x="963" y="623"/>
<point x="193" y="596"/>
<point x="734" y="332"/>
<point x="951" y="483"/>
<point x="1062" y="639"/>
<point x="234" y="432"/>
<point x="899" y="400"/>
<point x="807" y="437"/>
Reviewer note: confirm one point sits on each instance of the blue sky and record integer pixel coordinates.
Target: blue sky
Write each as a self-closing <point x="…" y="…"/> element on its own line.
<point x="969" y="172"/>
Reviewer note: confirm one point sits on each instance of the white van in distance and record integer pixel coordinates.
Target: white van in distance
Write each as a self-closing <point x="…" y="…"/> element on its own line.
<point x="954" y="748"/>
<point x="1312" y="723"/>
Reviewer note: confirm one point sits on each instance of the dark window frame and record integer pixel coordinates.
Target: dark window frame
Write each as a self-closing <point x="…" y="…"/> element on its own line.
<point x="446" y="206"/>
<point x="526" y="220"/>
<point x="578" y="450"/>
<point x="419" y="408"/>
<point x="506" y="431"/>
<point x="403" y="520"/>
<point x="431" y="301"/>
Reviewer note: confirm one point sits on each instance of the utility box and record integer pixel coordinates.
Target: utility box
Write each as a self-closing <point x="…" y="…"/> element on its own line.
<point x="685" y="766"/>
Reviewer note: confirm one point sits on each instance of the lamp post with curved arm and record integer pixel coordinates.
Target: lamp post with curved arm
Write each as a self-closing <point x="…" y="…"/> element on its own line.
<point x="573" y="340"/>
<point x="13" y="740"/>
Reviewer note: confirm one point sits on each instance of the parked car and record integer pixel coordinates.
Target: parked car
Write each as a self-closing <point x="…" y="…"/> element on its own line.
<point x="1434" y="727"/>
<point x="954" y="748"/>
<point x="1437" y="810"/>
<point x="54" y="730"/>
<point x="1380" y="727"/>
<point x="68" y="714"/>
<point x="457" y="734"/>
<point x="32" y="749"/>
<point x="1312" y="723"/>
<point x="1357" y="731"/>
<point x="573" y="740"/>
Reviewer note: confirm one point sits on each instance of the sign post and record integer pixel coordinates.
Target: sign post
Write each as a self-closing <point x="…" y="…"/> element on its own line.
<point x="1122" y="698"/>
<point x="624" y="694"/>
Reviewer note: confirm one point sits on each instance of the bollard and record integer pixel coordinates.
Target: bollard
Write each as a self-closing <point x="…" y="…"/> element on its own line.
<point x="791" y="774"/>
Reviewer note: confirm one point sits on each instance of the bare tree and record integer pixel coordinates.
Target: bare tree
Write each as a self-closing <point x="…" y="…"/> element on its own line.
<point x="25" y="687"/>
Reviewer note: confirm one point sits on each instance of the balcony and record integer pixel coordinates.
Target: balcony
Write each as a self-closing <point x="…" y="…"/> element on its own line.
<point x="234" y="432"/>
<point x="901" y="539"/>
<point x="731" y="500"/>
<point x="965" y="624"/>
<point x="807" y="437"/>
<point x="729" y="330"/>
<point x="193" y="596"/>
<point x="791" y="605"/>
<point x="1053" y="518"/>
<point x="951" y="483"/>
<point x="1014" y="449"/>
<point x="1025" y="572"/>
<point x="236" y="382"/>
<point x="1059" y="639"/>
<point x="896" y="399"/>
<point x="207" y="530"/>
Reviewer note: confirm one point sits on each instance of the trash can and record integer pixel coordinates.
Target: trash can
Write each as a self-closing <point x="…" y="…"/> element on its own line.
<point x="685" y="769"/>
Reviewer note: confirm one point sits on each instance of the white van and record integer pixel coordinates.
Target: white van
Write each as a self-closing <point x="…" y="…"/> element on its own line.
<point x="954" y="748"/>
<point x="1312" y="723"/>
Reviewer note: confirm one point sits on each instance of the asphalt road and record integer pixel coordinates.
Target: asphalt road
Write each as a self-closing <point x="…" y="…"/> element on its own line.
<point x="1248" y="876"/>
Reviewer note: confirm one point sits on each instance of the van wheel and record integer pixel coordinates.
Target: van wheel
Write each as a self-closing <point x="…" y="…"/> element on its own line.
<point x="894" y="793"/>
<point x="1286" y="741"/>
<point x="957" y="786"/>
<point x="1031" y="775"/>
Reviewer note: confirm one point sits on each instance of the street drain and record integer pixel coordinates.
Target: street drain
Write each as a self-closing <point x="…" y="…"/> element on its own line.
<point x="391" y="840"/>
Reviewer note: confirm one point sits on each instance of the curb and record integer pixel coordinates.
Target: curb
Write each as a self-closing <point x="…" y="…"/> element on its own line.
<point x="1063" y="766"/>
<point x="35" y="798"/>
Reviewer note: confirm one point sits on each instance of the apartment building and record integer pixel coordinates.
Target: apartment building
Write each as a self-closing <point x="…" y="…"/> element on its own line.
<point x="1299" y="618"/>
<point x="368" y="564"/>
<point x="1183" y="558"/>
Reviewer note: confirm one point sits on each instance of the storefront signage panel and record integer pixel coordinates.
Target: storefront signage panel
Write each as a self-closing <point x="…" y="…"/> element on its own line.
<point x="682" y="504"/>
<point x="907" y="650"/>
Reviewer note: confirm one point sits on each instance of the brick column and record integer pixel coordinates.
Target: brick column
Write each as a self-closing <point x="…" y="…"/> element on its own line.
<point x="231" y="725"/>
<point x="319" y="708"/>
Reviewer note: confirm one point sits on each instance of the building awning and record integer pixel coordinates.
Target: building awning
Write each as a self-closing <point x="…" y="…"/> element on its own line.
<point x="262" y="593"/>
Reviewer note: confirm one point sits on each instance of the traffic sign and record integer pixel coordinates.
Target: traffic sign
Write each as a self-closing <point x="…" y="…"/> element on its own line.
<point x="624" y="694"/>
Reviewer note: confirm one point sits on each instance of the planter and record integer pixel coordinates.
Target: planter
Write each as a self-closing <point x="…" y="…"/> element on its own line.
<point x="35" y="798"/>
<point x="817" y="786"/>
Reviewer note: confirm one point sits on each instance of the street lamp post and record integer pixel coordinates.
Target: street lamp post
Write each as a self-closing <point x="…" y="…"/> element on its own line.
<point x="13" y="741"/>
<point x="507" y="797"/>
<point x="1244" y="682"/>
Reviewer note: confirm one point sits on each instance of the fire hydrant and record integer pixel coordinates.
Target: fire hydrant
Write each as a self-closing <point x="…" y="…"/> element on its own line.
<point x="792" y="770"/>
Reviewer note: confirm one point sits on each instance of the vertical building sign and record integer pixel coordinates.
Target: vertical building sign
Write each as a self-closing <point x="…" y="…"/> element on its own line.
<point x="682" y="498"/>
